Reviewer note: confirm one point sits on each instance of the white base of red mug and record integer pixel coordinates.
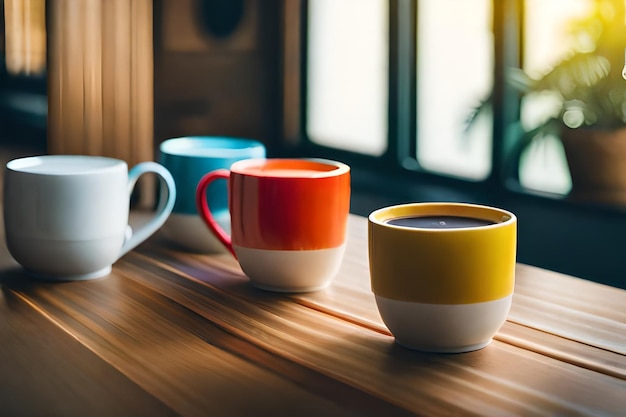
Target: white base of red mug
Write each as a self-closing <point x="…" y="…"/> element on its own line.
<point x="290" y="270"/>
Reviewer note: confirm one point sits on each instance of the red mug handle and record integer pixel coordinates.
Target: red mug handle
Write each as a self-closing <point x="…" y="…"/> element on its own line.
<point x="203" y="207"/>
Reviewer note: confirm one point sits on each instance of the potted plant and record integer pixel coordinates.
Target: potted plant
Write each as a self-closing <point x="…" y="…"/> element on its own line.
<point x="590" y="116"/>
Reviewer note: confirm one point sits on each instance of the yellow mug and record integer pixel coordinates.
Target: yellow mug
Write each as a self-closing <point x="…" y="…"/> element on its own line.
<point x="442" y="273"/>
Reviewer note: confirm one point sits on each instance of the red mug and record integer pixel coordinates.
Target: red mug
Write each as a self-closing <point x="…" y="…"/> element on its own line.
<point x="288" y="220"/>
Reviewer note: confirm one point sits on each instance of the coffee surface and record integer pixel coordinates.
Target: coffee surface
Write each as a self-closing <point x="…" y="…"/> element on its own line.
<point x="439" y="222"/>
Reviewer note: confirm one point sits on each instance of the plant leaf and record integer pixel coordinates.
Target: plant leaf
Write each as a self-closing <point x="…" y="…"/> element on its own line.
<point x="519" y="80"/>
<point x="575" y="72"/>
<point x="483" y="106"/>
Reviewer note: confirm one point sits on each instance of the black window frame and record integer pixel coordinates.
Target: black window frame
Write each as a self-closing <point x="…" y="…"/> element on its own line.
<point x="399" y="157"/>
<point x="586" y="239"/>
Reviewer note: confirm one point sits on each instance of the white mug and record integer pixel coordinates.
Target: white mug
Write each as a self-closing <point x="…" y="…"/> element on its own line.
<point x="66" y="216"/>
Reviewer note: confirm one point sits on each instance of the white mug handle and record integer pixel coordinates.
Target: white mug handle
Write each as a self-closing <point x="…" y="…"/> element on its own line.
<point x="167" y="198"/>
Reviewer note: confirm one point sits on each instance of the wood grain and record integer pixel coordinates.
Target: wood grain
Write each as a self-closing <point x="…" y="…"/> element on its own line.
<point x="170" y="332"/>
<point x="45" y="371"/>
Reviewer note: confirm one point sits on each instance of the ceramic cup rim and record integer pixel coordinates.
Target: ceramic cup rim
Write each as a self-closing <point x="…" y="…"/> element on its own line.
<point x="382" y="216"/>
<point x="26" y="164"/>
<point x="242" y="167"/>
<point x="209" y="146"/>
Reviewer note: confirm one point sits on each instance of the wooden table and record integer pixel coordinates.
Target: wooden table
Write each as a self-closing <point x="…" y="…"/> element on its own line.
<point x="173" y="333"/>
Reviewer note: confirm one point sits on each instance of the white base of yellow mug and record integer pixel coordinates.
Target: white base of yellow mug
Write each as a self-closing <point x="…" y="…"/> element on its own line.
<point x="444" y="328"/>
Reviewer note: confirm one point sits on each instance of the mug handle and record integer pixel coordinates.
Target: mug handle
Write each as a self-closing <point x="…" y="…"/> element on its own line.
<point x="203" y="207"/>
<point x="167" y="198"/>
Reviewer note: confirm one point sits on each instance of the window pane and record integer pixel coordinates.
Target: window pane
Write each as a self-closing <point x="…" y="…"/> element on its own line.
<point x="454" y="72"/>
<point x="348" y="74"/>
<point x="543" y="166"/>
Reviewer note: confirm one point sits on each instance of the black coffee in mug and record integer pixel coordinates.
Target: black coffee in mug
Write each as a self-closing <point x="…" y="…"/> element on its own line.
<point x="439" y="222"/>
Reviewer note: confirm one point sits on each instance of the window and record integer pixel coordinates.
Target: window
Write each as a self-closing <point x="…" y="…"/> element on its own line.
<point x="398" y="80"/>
<point x="388" y="85"/>
<point x="452" y="73"/>
<point x="348" y="74"/>
<point x="363" y="57"/>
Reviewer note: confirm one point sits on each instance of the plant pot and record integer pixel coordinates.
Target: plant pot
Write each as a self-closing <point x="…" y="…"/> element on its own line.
<point x="597" y="164"/>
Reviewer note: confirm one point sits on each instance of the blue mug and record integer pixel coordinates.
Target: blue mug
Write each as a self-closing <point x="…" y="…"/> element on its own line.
<point x="188" y="159"/>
